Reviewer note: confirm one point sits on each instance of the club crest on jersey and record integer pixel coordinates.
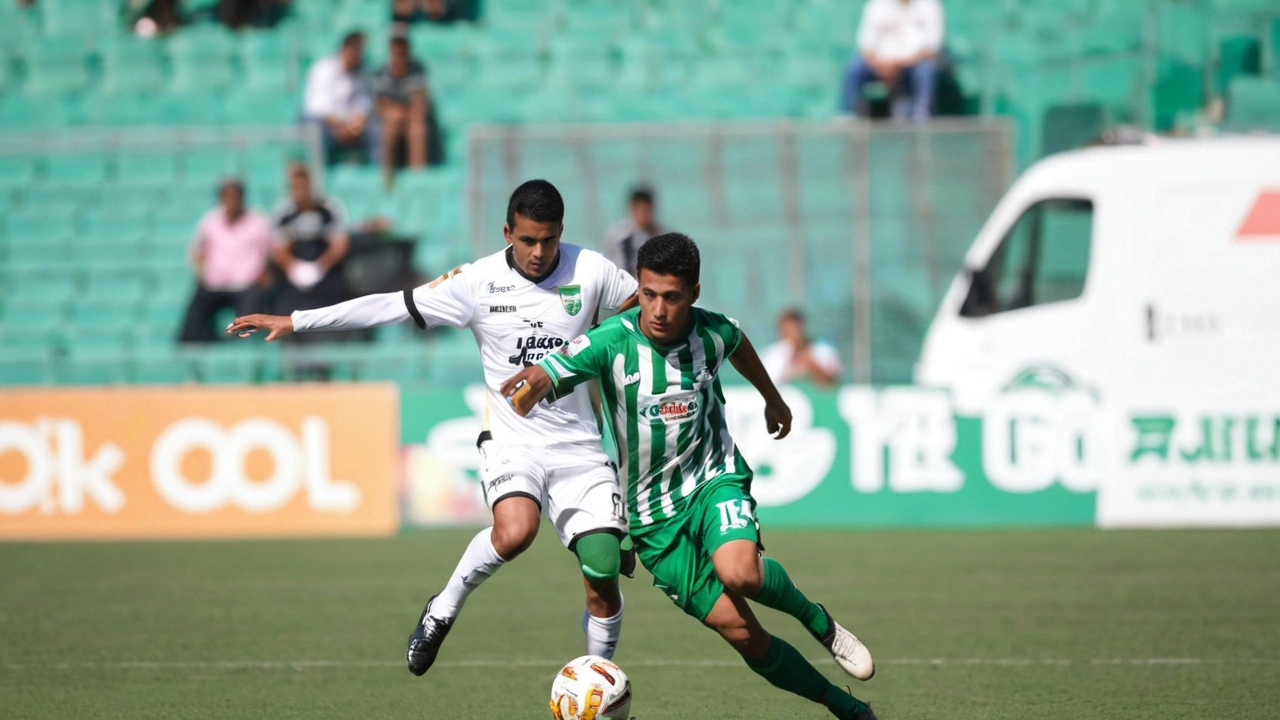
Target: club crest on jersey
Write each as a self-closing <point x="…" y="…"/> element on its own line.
<point x="571" y="298"/>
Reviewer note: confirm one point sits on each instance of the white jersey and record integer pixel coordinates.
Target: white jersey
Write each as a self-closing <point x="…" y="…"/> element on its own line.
<point x="516" y="322"/>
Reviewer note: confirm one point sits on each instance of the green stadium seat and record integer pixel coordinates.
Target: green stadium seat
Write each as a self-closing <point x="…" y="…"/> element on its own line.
<point x="228" y="362"/>
<point x="260" y="107"/>
<point x="56" y="66"/>
<point x="131" y="65"/>
<point x="147" y="169"/>
<point x="161" y="367"/>
<point x="25" y="340"/>
<point x="75" y="171"/>
<point x="204" y="168"/>
<point x="94" y="366"/>
<point x="37" y="318"/>
<point x="29" y="367"/>
<point x="38" y="228"/>
<point x="1254" y="103"/>
<point x="16" y="172"/>
<point x="78" y="18"/>
<point x="40" y="289"/>
<point x="113" y="292"/>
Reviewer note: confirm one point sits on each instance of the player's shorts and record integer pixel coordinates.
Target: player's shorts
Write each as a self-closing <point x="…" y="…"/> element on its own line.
<point x="576" y="487"/>
<point x="678" y="551"/>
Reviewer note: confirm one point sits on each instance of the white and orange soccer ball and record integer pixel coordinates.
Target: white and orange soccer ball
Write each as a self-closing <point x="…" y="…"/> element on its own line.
<point x="591" y="688"/>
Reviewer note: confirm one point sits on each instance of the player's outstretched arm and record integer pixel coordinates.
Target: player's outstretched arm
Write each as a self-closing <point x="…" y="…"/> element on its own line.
<point x="527" y="388"/>
<point x="777" y="415"/>
<point x="362" y="312"/>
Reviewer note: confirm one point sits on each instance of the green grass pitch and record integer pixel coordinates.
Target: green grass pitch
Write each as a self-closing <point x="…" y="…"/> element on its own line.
<point x="992" y="624"/>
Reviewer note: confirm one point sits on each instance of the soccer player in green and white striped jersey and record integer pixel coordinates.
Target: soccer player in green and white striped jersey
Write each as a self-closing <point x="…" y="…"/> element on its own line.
<point x="692" y="516"/>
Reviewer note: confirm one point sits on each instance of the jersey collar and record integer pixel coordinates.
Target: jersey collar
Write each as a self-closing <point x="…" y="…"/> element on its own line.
<point x="511" y="263"/>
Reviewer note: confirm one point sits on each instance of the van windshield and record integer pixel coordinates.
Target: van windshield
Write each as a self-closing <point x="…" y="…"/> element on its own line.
<point x="1043" y="259"/>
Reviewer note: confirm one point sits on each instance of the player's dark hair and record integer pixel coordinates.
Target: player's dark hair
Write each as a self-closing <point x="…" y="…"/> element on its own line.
<point x="351" y="38"/>
<point x="537" y="200"/>
<point x="400" y="41"/>
<point x="671" y="254"/>
<point x="642" y="194"/>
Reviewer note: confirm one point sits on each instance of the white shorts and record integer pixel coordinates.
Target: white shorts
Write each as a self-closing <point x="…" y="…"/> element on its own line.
<point x="577" y="488"/>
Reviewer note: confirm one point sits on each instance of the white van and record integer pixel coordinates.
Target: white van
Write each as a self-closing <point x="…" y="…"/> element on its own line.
<point x="1139" y="287"/>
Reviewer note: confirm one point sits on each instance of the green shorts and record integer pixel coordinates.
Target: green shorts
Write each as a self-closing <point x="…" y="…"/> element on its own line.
<point x="678" y="551"/>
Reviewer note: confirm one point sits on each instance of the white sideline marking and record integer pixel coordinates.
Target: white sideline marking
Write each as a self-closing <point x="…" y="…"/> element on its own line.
<point x="675" y="662"/>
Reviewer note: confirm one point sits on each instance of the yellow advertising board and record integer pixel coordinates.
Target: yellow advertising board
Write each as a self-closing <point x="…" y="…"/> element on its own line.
<point x="198" y="462"/>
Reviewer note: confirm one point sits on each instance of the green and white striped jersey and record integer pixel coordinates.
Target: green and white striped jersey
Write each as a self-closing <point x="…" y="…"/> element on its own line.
<point x="665" y="403"/>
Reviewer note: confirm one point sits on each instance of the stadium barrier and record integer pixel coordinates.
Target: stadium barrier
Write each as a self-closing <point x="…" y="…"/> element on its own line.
<point x="198" y="462"/>
<point x="858" y="456"/>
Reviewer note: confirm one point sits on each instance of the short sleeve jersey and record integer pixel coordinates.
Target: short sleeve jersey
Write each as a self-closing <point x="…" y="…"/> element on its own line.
<point x="665" y="405"/>
<point x="400" y="89"/>
<point x="309" y="231"/>
<point x="517" y="322"/>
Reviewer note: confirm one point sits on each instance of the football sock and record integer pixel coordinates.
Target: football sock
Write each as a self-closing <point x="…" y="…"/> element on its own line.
<point x="479" y="561"/>
<point x="778" y="592"/>
<point x="784" y="667"/>
<point x="602" y="633"/>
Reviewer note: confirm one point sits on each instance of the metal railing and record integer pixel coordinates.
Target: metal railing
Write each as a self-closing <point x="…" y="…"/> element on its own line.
<point x="861" y="224"/>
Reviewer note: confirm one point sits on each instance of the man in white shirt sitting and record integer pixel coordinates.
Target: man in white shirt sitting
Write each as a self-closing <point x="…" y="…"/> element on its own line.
<point x="796" y="357"/>
<point x="899" y="43"/>
<point x="337" y="97"/>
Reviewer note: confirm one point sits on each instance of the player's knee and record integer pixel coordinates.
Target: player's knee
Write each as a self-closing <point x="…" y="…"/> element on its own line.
<point x="745" y="581"/>
<point x="598" y="555"/>
<point x="511" y="539"/>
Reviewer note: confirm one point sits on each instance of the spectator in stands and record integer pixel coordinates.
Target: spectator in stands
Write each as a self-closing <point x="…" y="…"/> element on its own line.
<point x="796" y="357"/>
<point x="236" y="14"/>
<point x="311" y="243"/>
<point x="337" y="98"/>
<point x="624" y="238"/>
<point x="401" y="100"/>
<point x="229" y="253"/>
<point x="899" y="42"/>
<point x="406" y="11"/>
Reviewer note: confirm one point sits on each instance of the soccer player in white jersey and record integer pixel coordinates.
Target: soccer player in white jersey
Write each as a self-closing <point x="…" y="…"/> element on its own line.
<point x="522" y="304"/>
<point x="689" y="488"/>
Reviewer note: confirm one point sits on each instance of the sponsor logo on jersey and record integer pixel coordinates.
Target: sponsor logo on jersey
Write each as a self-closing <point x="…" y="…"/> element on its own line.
<point x="579" y="344"/>
<point x="436" y="283"/>
<point x="673" y="409"/>
<point x="495" y="288"/>
<point x="631" y="378"/>
<point x="571" y="298"/>
<point x="505" y="477"/>
<point x="531" y="349"/>
<point x="502" y="308"/>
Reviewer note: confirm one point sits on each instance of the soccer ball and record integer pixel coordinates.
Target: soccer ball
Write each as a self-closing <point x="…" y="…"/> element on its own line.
<point x="590" y="688"/>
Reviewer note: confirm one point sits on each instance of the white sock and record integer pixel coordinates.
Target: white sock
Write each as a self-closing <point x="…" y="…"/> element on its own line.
<point x="478" y="562"/>
<point x="602" y="633"/>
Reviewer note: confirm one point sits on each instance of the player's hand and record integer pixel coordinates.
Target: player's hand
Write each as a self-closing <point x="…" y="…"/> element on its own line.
<point x="777" y="418"/>
<point x="526" y="388"/>
<point x="276" y="326"/>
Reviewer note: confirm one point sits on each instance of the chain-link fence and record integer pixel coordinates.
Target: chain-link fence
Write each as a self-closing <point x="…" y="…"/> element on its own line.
<point x="861" y="225"/>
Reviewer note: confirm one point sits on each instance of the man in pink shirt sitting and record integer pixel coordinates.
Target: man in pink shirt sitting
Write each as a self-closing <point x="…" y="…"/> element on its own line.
<point x="229" y="253"/>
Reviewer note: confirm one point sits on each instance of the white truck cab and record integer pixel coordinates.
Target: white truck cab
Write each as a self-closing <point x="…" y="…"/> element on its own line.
<point x="1139" y="287"/>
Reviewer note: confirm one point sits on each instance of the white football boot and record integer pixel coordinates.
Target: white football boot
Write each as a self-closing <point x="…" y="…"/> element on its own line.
<point x="849" y="652"/>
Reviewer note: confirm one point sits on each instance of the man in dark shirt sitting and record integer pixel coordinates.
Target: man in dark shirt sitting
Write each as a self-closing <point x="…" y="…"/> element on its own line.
<point x="400" y="94"/>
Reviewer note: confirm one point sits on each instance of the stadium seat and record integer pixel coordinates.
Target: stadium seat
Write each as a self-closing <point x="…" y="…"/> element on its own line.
<point x="75" y="171"/>
<point x="146" y="169"/>
<point x="28" y="228"/>
<point x="26" y="367"/>
<point x="131" y="65"/>
<point x="1254" y="103"/>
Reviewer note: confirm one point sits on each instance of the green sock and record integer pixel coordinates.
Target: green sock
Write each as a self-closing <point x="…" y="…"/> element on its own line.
<point x="784" y="667"/>
<point x="779" y="593"/>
